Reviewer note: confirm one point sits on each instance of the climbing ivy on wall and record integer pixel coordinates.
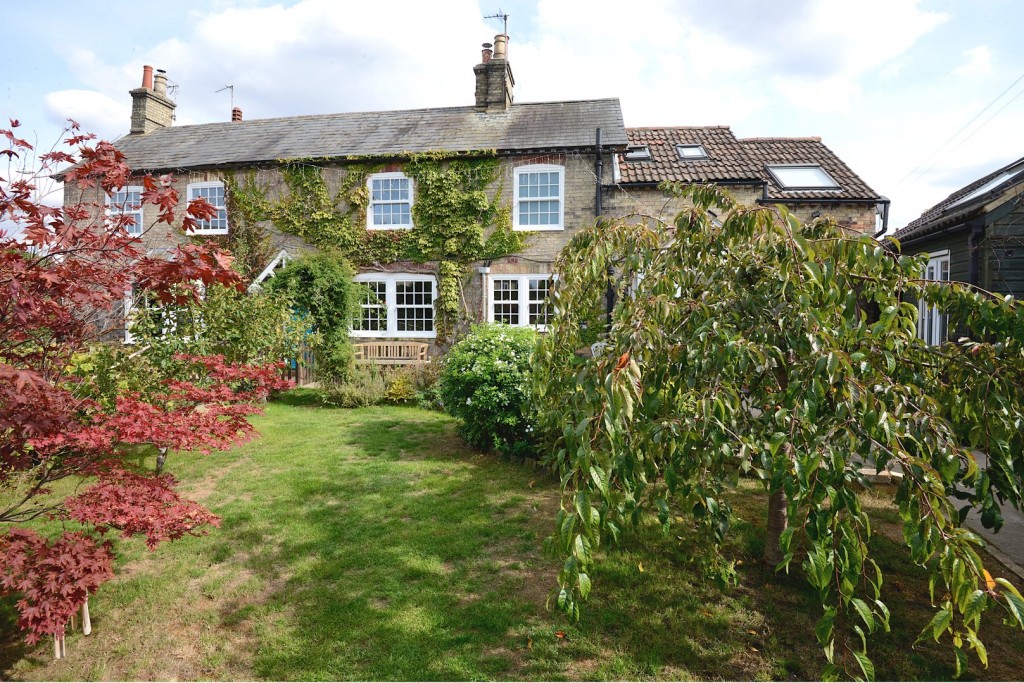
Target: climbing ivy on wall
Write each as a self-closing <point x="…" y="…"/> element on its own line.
<point x="247" y="240"/>
<point x="451" y="213"/>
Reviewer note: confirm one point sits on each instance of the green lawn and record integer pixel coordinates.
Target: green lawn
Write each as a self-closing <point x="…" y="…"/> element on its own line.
<point x="372" y="544"/>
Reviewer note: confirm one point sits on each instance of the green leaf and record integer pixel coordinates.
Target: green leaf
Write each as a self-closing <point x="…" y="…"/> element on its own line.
<point x="584" y="585"/>
<point x="865" y="665"/>
<point x="961" y="661"/>
<point x="938" y="624"/>
<point x="600" y="479"/>
<point x="1014" y="602"/>
<point x="865" y="613"/>
<point x="823" y="629"/>
<point x="979" y="649"/>
<point x="975" y="605"/>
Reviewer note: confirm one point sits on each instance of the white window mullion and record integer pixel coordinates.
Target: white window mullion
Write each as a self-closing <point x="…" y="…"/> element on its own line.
<point x="392" y="300"/>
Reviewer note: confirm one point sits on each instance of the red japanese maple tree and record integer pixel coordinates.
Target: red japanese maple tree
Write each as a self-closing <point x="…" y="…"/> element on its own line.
<point x="61" y="283"/>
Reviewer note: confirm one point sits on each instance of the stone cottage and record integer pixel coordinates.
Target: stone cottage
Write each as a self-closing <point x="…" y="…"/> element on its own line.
<point x="455" y="212"/>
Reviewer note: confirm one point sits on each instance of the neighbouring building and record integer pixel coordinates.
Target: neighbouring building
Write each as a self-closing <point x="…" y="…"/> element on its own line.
<point x="542" y="170"/>
<point x="975" y="235"/>
<point x="800" y="173"/>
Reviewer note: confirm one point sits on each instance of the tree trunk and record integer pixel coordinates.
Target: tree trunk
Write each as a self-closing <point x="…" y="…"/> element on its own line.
<point x="160" y="459"/>
<point x="778" y="519"/>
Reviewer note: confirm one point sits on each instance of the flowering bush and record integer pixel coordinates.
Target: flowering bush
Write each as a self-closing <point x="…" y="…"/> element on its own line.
<point x="486" y="384"/>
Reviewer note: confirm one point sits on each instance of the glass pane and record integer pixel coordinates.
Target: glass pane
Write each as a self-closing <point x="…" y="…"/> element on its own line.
<point x="802" y="176"/>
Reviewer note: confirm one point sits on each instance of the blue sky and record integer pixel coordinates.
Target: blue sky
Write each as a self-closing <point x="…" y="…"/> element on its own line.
<point x="887" y="84"/>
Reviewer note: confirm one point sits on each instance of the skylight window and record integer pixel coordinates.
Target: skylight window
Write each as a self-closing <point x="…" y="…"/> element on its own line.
<point x="990" y="185"/>
<point x="803" y="178"/>
<point x="638" y="153"/>
<point x="691" y="152"/>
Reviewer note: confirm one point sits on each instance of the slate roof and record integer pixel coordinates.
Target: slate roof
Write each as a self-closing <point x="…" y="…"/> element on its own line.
<point x="523" y="127"/>
<point x="953" y="209"/>
<point x="732" y="159"/>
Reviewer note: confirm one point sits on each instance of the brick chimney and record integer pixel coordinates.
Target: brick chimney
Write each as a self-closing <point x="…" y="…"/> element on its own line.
<point x="151" y="107"/>
<point x="236" y="113"/>
<point x="494" y="79"/>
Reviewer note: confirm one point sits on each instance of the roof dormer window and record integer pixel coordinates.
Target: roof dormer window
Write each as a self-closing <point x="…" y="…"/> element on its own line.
<point x="691" y="152"/>
<point x="802" y="177"/>
<point x="638" y="153"/>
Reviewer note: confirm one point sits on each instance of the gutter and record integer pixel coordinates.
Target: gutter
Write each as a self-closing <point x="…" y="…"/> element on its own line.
<point x="651" y="183"/>
<point x="823" y="200"/>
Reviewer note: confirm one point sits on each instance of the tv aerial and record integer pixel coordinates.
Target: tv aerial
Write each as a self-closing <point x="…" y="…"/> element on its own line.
<point x="232" y="93"/>
<point x="501" y="14"/>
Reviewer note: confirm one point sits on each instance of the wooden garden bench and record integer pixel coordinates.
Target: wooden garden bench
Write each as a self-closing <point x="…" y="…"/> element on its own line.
<point x="391" y="353"/>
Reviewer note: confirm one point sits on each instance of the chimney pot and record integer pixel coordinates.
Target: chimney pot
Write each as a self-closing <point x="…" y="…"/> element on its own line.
<point x="500" y="46"/>
<point x="486" y="52"/>
<point x="147" y="77"/>
<point x="160" y="82"/>
<point x="236" y="114"/>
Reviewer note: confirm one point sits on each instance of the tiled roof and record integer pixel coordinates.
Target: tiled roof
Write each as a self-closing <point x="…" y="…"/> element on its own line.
<point x="731" y="160"/>
<point x="726" y="157"/>
<point x="765" y="151"/>
<point x="954" y="208"/>
<point x="530" y="126"/>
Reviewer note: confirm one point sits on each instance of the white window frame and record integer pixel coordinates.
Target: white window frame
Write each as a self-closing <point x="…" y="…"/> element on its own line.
<point x="391" y="281"/>
<point x="932" y="323"/>
<point x="115" y="209"/>
<point x="370" y="225"/>
<point x="539" y="168"/>
<point x="199" y="229"/>
<point x="523" y="301"/>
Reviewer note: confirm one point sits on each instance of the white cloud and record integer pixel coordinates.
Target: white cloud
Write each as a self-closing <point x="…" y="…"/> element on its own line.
<point x="97" y="112"/>
<point x="977" y="62"/>
<point x="855" y="73"/>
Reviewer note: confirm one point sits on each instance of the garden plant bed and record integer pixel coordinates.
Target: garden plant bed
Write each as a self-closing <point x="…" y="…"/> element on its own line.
<point x="373" y="544"/>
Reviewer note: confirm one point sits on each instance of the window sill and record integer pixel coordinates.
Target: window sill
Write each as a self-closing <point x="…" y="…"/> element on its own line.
<point x="537" y="228"/>
<point x="203" y="233"/>
<point x="366" y="334"/>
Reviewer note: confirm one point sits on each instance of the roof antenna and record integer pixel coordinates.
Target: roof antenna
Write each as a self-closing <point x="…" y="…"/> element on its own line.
<point x="500" y="15"/>
<point x="232" y="89"/>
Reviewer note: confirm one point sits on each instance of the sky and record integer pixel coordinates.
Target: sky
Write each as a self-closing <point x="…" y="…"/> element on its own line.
<point x="918" y="97"/>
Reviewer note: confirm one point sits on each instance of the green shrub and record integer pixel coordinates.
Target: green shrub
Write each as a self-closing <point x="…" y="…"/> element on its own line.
<point x="364" y="386"/>
<point x="372" y="385"/>
<point x="320" y="285"/>
<point x="485" y="382"/>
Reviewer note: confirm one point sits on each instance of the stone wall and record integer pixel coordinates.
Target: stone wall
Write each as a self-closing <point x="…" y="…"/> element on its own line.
<point x="649" y="201"/>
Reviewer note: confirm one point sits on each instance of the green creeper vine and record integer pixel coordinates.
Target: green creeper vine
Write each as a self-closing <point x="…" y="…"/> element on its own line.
<point x="451" y="214"/>
<point x="247" y="207"/>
